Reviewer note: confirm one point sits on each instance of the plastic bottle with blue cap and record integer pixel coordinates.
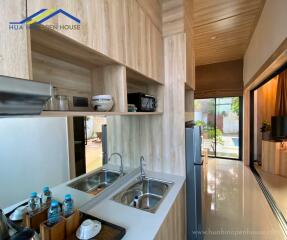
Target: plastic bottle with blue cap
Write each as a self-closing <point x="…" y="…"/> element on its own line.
<point x="46" y="196"/>
<point x="53" y="213"/>
<point x="68" y="206"/>
<point x="34" y="203"/>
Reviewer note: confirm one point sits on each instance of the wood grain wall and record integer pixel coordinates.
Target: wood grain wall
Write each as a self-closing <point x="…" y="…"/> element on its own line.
<point x="265" y="100"/>
<point x="219" y="80"/>
<point x="174" y="109"/>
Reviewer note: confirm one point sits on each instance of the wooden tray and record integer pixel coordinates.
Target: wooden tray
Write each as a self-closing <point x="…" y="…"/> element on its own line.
<point x="109" y="231"/>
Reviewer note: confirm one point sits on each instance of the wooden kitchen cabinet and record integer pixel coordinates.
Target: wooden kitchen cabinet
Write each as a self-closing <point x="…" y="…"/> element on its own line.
<point x="144" y="44"/>
<point x="14" y="47"/>
<point x="119" y="29"/>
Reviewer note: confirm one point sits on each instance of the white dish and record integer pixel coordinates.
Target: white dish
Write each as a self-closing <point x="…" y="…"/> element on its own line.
<point x="88" y="229"/>
<point x="102" y="97"/>
<point x="17" y="215"/>
<point x="102" y="106"/>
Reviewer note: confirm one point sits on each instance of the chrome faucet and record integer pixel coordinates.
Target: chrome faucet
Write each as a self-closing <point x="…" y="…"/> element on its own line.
<point x="141" y="167"/>
<point x="121" y="158"/>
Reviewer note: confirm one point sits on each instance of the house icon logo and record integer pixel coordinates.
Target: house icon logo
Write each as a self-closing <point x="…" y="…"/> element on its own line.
<point x="42" y="16"/>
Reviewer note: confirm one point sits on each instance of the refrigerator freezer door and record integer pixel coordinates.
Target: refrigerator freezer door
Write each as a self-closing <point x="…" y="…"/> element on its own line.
<point x="193" y="186"/>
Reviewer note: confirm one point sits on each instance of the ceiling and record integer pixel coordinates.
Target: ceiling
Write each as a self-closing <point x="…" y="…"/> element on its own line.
<point x="223" y="28"/>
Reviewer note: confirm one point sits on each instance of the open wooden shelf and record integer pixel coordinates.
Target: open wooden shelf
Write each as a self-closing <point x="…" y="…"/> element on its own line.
<point x="54" y="44"/>
<point x="75" y="69"/>
<point x="79" y="114"/>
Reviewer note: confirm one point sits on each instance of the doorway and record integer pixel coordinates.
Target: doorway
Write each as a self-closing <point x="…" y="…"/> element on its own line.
<point x="90" y="143"/>
<point x="221" y="121"/>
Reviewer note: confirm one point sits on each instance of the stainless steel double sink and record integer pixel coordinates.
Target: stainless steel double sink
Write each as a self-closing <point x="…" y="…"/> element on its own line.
<point x="96" y="182"/>
<point x="144" y="193"/>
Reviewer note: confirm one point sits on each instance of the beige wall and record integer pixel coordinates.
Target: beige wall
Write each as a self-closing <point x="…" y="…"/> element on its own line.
<point x="269" y="33"/>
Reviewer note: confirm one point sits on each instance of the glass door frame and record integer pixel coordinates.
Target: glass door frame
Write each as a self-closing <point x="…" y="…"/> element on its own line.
<point x="240" y="134"/>
<point x="251" y="112"/>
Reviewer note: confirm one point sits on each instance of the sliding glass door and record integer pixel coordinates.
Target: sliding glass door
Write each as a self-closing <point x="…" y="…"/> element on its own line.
<point x="220" y="122"/>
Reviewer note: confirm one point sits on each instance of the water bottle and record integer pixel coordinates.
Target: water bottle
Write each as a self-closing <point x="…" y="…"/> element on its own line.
<point x="53" y="213"/>
<point x="46" y="196"/>
<point x="34" y="203"/>
<point x="68" y="206"/>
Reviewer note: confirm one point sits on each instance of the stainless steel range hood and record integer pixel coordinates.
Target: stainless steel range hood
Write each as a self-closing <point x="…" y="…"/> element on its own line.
<point x="22" y="97"/>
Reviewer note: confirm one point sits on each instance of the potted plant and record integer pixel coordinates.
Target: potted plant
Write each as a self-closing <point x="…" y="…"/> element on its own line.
<point x="266" y="130"/>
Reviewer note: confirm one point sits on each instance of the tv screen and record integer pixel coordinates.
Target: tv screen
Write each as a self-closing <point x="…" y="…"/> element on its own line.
<point x="279" y="127"/>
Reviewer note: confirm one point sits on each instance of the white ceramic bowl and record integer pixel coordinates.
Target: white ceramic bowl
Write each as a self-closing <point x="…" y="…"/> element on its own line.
<point x="102" y="105"/>
<point x="17" y="215"/>
<point x="88" y="229"/>
<point x="102" y="97"/>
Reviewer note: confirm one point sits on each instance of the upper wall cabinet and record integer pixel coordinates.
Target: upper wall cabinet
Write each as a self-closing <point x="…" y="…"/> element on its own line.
<point x="14" y="47"/>
<point x="120" y="29"/>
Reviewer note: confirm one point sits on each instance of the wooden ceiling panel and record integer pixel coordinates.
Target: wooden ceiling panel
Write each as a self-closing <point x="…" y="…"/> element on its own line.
<point x="223" y="28"/>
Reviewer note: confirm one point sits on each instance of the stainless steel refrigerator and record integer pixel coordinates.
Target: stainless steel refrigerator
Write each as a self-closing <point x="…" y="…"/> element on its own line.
<point x="194" y="183"/>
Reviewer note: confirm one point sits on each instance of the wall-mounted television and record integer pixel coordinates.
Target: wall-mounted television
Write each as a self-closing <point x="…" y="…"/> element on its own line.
<point x="279" y="127"/>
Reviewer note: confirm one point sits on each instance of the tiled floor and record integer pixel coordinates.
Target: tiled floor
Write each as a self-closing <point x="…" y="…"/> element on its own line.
<point x="277" y="186"/>
<point x="235" y="207"/>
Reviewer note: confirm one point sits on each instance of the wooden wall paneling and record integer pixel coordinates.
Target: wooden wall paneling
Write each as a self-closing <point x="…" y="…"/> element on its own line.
<point x="174" y="225"/>
<point x="271" y="152"/>
<point x="151" y="137"/>
<point x="14" y="48"/>
<point x="152" y="9"/>
<point x="219" y="79"/>
<point x="189" y="105"/>
<point x="157" y="55"/>
<point x="111" y="80"/>
<point x="123" y="137"/>
<point x="267" y="98"/>
<point x="264" y="109"/>
<point x="172" y="17"/>
<point x="190" y="61"/>
<point x="174" y="110"/>
<point x="61" y="74"/>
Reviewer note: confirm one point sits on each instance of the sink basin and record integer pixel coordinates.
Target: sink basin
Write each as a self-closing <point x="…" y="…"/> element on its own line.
<point x="145" y="194"/>
<point x="96" y="182"/>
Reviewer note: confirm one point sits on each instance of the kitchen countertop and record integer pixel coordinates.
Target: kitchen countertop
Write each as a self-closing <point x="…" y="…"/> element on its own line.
<point x="139" y="224"/>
